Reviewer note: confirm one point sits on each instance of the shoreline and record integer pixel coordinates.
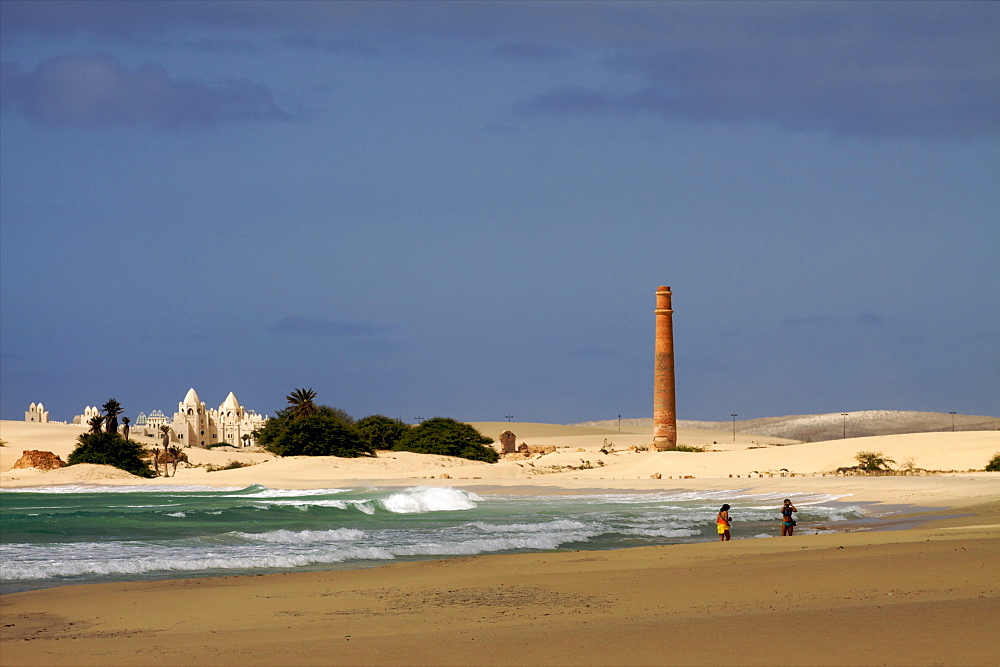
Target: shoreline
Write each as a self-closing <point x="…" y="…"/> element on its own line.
<point x="945" y="488"/>
<point x="878" y="517"/>
<point x="634" y="606"/>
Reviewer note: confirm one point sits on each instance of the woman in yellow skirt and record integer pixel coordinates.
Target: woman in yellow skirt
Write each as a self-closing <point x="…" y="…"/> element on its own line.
<point x="722" y="523"/>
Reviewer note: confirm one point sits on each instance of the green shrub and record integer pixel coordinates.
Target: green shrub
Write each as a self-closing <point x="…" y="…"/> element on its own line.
<point x="447" y="437"/>
<point x="994" y="464"/>
<point x="381" y="432"/>
<point x="110" y="449"/>
<point x="689" y="448"/>
<point x="334" y="413"/>
<point x="318" y="434"/>
<point x="873" y="461"/>
<point x="218" y="444"/>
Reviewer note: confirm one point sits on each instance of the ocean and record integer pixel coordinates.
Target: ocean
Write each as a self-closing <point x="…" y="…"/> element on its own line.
<point x="76" y="534"/>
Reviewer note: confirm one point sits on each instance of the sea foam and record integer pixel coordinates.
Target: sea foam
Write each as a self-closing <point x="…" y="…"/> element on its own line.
<point x="430" y="499"/>
<point x="303" y="536"/>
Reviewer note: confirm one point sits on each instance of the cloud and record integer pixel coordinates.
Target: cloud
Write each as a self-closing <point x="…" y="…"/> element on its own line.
<point x="854" y="102"/>
<point x="864" y="68"/>
<point x="97" y="90"/>
<point x="323" y="328"/>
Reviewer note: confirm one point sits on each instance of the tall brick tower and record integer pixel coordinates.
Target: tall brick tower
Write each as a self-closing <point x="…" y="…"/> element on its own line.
<point x="664" y="399"/>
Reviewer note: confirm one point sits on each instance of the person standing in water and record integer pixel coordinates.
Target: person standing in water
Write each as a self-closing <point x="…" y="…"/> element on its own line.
<point x="787" y="520"/>
<point x="722" y="523"/>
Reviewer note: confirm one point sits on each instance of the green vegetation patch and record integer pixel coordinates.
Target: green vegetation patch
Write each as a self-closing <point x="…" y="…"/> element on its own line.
<point x="873" y="461"/>
<point x="446" y="437"/>
<point x="110" y="449"/>
<point x="382" y="432"/>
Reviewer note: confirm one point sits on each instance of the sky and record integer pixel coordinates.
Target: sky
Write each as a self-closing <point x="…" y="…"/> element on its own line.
<point x="464" y="209"/>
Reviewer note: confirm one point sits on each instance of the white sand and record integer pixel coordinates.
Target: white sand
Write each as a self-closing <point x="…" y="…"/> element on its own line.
<point x="745" y="464"/>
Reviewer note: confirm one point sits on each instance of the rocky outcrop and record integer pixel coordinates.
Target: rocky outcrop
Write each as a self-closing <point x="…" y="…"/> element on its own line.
<point x="524" y="448"/>
<point x="33" y="458"/>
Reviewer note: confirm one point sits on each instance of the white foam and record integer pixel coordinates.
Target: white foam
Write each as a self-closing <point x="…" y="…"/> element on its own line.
<point x="264" y="492"/>
<point x="303" y="536"/>
<point x="284" y="560"/>
<point x="663" y="532"/>
<point x="493" y="544"/>
<point x="300" y="504"/>
<point x="430" y="499"/>
<point x="562" y="524"/>
<point x="839" y="513"/>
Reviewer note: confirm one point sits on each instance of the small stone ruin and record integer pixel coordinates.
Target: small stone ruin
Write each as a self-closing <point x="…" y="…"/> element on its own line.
<point x="508" y="442"/>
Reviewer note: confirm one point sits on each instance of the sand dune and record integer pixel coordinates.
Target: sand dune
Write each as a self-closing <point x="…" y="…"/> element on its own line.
<point x="577" y="460"/>
<point x="829" y="426"/>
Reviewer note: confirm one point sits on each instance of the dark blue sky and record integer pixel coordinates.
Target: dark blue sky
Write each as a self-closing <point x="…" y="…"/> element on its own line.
<point x="464" y="209"/>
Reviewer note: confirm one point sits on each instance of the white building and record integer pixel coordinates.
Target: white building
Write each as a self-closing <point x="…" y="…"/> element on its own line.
<point x="194" y="425"/>
<point x="36" y="413"/>
<point x="88" y="413"/>
<point x="155" y="420"/>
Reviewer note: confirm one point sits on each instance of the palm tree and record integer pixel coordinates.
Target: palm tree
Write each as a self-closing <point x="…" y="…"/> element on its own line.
<point x="125" y="422"/>
<point x="301" y="402"/>
<point x="111" y="411"/>
<point x="165" y="438"/>
<point x="175" y="455"/>
<point x="95" y="423"/>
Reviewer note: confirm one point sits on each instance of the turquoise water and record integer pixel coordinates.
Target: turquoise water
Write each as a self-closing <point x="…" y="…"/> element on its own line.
<point x="53" y="536"/>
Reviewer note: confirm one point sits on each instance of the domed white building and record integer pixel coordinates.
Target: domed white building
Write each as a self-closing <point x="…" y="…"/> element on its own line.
<point x="88" y="412"/>
<point x="36" y="413"/>
<point x="194" y="425"/>
<point x="156" y="419"/>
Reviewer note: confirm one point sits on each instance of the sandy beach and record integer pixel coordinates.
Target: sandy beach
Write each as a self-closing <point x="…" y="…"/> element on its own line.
<point x="923" y="593"/>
